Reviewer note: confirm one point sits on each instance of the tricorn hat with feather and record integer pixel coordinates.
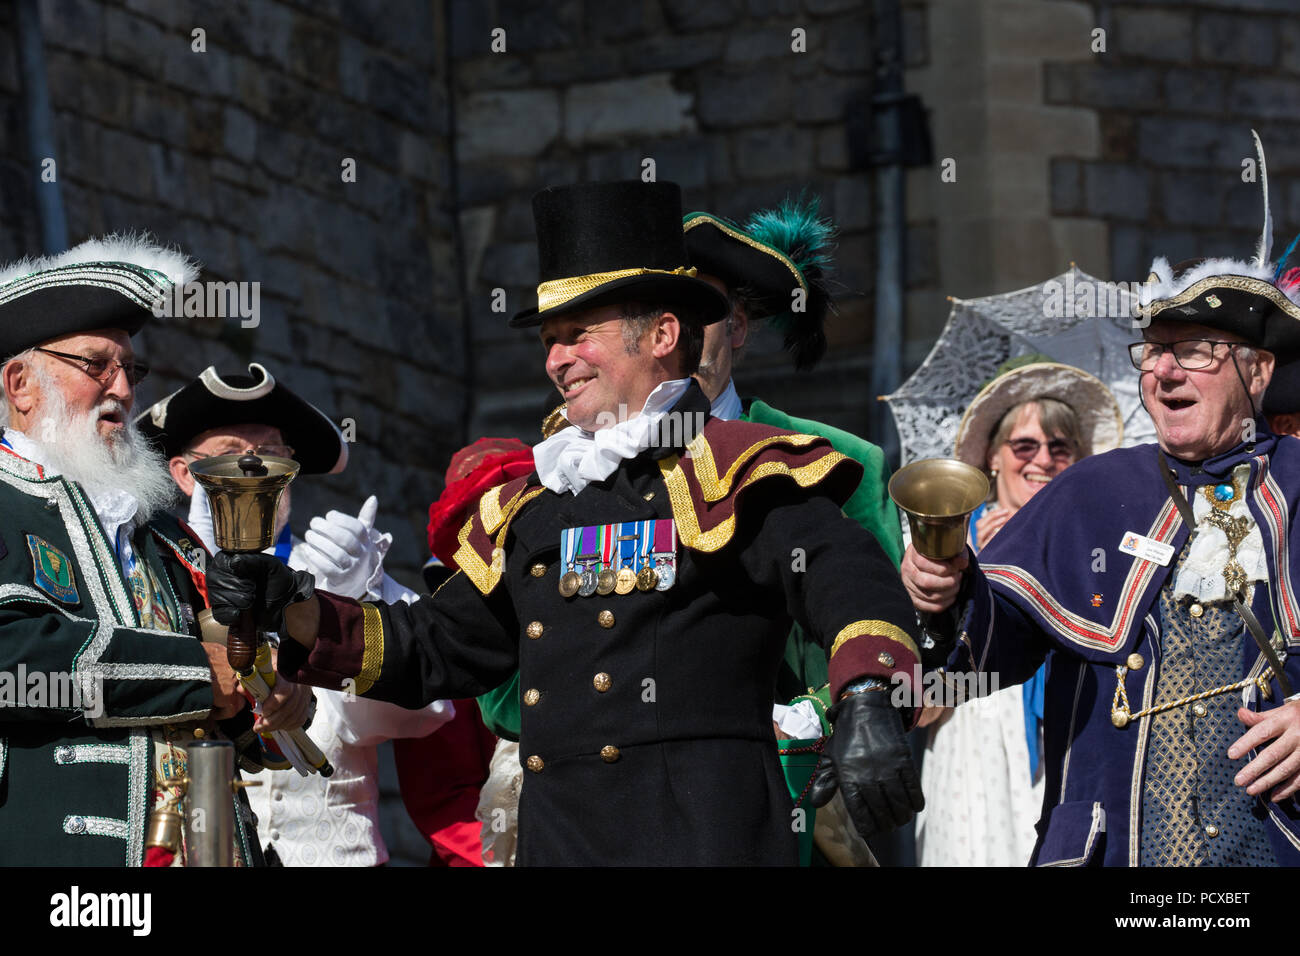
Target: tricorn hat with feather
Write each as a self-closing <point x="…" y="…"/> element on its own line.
<point x="777" y="260"/>
<point x="111" y="283"/>
<point x="1255" y="298"/>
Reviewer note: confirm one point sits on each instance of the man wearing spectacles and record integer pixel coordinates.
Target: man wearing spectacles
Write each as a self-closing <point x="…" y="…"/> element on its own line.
<point x="308" y="821"/>
<point x="101" y="587"/>
<point x="1162" y="581"/>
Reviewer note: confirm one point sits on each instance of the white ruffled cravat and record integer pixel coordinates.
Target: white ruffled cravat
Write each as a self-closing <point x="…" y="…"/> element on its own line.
<point x="1200" y="576"/>
<point x="573" y="458"/>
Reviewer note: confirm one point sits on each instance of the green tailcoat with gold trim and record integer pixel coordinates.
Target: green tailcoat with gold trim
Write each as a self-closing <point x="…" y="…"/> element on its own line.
<point x="668" y="757"/>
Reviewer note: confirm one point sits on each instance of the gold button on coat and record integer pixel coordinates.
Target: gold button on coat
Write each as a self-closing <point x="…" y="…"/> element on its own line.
<point x="1135" y="662"/>
<point x="1199" y="709"/>
<point x="1196" y="610"/>
<point x="535" y="630"/>
<point x="535" y="763"/>
<point x="538" y="570"/>
<point x="602" y="682"/>
<point x="609" y="753"/>
<point x="605" y="618"/>
<point x="1211" y="831"/>
<point x="532" y="696"/>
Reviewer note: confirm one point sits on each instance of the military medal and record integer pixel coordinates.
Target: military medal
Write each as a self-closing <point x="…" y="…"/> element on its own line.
<point x="625" y="581"/>
<point x="646" y="578"/>
<point x="570" y="581"/>
<point x="588" y="586"/>
<point x="606" y="581"/>
<point x="665" y="553"/>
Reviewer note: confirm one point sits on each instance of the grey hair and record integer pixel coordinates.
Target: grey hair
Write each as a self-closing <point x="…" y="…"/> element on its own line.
<point x="639" y="318"/>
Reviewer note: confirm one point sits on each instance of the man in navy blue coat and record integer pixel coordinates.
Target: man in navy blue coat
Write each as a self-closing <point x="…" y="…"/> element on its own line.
<point x="1169" y="737"/>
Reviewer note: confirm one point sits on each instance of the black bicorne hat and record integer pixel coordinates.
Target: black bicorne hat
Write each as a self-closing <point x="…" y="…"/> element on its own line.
<point x="116" y="282"/>
<point x="213" y="401"/>
<point x="605" y="243"/>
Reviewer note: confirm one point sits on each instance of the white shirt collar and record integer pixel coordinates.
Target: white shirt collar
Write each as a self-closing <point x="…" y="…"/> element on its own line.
<point x="727" y="405"/>
<point x="573" y="458"/>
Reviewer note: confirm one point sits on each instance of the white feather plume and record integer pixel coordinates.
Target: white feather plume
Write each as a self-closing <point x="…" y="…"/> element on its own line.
<point x="137" y="248"/>
<point x="1164" y="284"/>
<point x="1265" y="247"/>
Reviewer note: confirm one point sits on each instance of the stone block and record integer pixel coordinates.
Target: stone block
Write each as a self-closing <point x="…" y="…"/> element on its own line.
<point x="1184" y="141"/>
<point x="822" y="8"/>
<point x="314" y="51"/>
<point x="690" y="16"/>
<point x="1067" y="188"/>
<point x="509" y="263"/>
<point x="90" y="87"/>
<point x="850" y="206"/>
<point x="1116" y="191"/>
<point x="1153" y="34"/>
<point x="405" y="28"/>
<point x="519" y="123"/>
<point x="1289" y="45"/>
<point x="239" y="131"/>
<point x="832" y="149"/>
<point x="1103" y="85"/>
<point x="665" y="51"/>
<point x="472" y="22"/>
<point x="1235" y="39"/>
<point x="159" y="113"/>
<point x="205" y="128"/>
<point x="1266" y="97"/>
<point x="774" y="152"/>
<point x="76" y="25"/>
<point x="180" y="182"/>
<point x="396" y="89"/>
<point x="127" y="36"/>
<point x="848" y="45"/>
<point x="639" y="108"/>
<point x="617" y="22"/>
<point x="531" y="26"/>
<point x="125" y="163"/>
<point x="732" y="100"/>
<point x="1200" y="91"/>
<point x="826" y="99"/>
<point x="199" y="74"/>
<point x="916" y="36"/>
<point x="495" y="71"/>
<point x="754" y="46"/>
<point x="165" y="12"/>
<point x="762" y="9"/>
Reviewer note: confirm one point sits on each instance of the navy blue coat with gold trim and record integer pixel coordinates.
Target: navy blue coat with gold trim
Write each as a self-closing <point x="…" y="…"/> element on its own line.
<point x="670" y="757"/>
<point x="1032" y="590"/>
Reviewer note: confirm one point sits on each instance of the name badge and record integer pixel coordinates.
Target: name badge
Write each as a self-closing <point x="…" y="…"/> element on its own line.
<point x="1148" y="549"/>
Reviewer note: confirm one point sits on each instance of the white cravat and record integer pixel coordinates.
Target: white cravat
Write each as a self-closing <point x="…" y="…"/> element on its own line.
<point x="727" y="405"/>
<point x="573" y="458"/>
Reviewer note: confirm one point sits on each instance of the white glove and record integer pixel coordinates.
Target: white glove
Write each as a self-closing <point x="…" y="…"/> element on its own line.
<point x="200" y="518"/>
<point x="346" y="554"/>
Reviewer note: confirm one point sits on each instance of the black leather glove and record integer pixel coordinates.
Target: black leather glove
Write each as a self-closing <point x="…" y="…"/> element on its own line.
<point x="238" y="582"/>
<point x="869" y="762"/>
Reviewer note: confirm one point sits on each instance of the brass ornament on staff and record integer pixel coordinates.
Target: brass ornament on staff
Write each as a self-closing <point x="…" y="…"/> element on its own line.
<point x="938" y="495"/>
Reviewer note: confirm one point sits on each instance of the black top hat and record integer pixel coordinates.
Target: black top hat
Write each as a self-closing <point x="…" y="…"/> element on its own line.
<point x="605" y="243"/>
<point x="212" y="401"/>
<point x="110" y="283"/>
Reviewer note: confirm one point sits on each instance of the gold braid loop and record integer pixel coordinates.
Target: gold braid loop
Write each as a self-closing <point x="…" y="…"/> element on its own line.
<point x="1121" y="715"/>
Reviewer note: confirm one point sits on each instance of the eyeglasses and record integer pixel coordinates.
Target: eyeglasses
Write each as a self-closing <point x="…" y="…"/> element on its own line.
<point x="102" y="370"/>
<point x="1026" y="449"/>
<point x="1190" y="354"/>
<point x="261" y="451"/>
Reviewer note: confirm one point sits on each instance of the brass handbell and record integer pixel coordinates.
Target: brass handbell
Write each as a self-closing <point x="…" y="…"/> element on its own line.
<point x="938" y="495"/>
<point x="244" y="491"/>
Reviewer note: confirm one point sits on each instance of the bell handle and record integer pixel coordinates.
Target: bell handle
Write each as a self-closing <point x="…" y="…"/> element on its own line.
<point x="241" y="643"/>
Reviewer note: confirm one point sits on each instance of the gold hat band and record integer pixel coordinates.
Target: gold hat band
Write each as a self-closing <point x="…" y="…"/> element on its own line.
<point x="555" y="293"/>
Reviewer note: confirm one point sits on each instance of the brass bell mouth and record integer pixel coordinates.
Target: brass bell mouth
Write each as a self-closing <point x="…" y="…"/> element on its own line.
<point x="243" y="501"/>
<point x="938" y="495"/>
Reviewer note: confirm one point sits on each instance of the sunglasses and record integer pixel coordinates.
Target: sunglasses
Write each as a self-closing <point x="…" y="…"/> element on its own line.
<point x="1026" y="449"/>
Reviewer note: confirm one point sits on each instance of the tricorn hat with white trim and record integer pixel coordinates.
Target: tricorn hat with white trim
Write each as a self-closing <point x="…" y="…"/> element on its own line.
<point x="111" y="283"/>
<point x="213" y="400"/>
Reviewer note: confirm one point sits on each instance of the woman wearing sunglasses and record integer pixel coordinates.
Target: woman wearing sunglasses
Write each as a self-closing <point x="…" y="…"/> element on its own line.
<point x="981" y="775"/>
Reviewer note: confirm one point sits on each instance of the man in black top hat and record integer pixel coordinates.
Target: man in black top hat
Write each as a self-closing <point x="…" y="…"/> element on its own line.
<point x="104" y="679"/>
<point x="642" y="581"/>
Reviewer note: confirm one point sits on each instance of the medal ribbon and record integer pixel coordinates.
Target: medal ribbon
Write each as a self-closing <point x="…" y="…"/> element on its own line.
<point x="645" y="544"/>
<point x="608" y="532"/>
<point x="665" y="537"/>
<point x="627" y="544"/>
<point x="588" y="550"/>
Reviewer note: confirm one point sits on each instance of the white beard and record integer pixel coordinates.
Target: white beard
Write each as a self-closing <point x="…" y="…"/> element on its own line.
<point x="73" y="446"/>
